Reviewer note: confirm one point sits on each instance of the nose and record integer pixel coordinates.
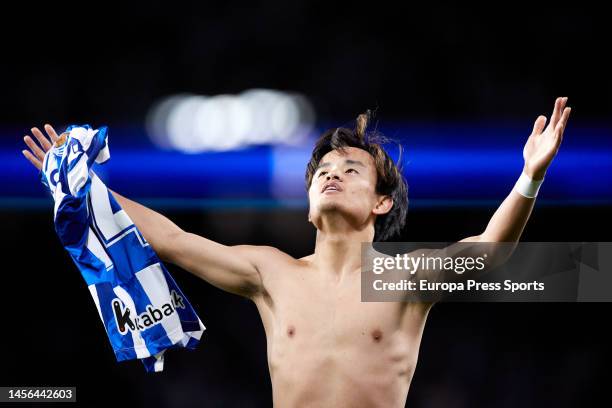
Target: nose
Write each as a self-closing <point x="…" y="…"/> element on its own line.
<point x="332" y="175"/>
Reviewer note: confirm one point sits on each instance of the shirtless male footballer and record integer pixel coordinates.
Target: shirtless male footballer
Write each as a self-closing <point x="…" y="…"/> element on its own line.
<point x="325" y="347"/>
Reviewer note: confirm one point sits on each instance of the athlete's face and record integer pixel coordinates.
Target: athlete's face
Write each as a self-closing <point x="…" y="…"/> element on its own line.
<point x="346" y="182"/>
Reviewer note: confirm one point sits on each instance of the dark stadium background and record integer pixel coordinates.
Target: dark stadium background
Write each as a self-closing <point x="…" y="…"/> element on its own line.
<point x="451" y="65"/>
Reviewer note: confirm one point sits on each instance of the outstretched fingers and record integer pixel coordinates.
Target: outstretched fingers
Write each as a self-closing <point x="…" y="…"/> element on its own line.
<point x="51" y="132"/>
<point x="557" y="111"/>
<point x="44" y="142"/>
<point x="37" y="163"/>
<point x="36" y="150"/>
<point x="539" y="124"/>
<point x="560" y="128"/>
<point x="36" y="154"/>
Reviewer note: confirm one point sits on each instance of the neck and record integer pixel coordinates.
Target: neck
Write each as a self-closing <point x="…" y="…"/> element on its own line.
<point x="338" y="247"/>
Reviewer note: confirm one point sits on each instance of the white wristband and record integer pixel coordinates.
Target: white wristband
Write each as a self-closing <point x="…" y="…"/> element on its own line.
<point x="527" y="187"/>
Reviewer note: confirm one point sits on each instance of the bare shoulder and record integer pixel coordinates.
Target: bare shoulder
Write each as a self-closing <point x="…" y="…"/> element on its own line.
<point x="306" y="259"/>
<point x="265" y="256"/>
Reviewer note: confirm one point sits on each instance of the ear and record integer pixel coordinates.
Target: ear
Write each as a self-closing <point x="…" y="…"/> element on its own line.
<point x="384" y="205"/>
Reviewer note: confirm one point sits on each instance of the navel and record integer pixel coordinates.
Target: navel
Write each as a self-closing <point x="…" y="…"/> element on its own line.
<point x="290" y="331"/>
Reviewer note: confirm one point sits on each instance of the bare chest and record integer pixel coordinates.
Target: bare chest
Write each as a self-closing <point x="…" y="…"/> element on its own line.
<point x="327" y="311"/>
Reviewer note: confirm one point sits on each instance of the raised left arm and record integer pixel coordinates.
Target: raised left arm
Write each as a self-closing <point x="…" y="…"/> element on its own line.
<point x="509" y="220"/>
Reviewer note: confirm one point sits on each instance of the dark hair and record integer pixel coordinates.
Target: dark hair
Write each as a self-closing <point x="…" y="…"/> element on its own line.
<point x="389" y="180"/>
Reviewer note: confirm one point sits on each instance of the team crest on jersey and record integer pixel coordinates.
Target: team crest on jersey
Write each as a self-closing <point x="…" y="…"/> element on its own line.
<point x="149" y="318"/>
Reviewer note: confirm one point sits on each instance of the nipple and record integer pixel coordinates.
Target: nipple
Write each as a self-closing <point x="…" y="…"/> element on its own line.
<point x="377" y="335"/>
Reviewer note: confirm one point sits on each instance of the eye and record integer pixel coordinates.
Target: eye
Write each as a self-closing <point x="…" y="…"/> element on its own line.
<point x="322" y="173"/>
<point x="351" y="170"/>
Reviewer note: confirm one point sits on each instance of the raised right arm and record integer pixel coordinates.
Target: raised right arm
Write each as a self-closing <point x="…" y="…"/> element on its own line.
<point x="231" y="268"/>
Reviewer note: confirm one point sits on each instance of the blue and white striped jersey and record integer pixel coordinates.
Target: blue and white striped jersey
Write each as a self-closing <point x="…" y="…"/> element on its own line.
<point x="143" y="310"/>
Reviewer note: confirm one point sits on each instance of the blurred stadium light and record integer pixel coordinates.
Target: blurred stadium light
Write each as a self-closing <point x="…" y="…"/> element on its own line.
<point x="194" y="124"/>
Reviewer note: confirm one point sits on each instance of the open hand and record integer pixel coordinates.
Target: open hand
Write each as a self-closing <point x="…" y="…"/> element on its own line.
<point x="36" y="154"/>
<point x="543" y="144"/>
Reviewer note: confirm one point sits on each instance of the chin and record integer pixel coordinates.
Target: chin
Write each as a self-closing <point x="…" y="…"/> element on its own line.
<point x="329" y="206"/>
<point x="333" y="205"/>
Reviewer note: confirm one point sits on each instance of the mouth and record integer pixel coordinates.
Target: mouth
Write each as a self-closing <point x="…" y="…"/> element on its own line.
<point x="331" y="187"/>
